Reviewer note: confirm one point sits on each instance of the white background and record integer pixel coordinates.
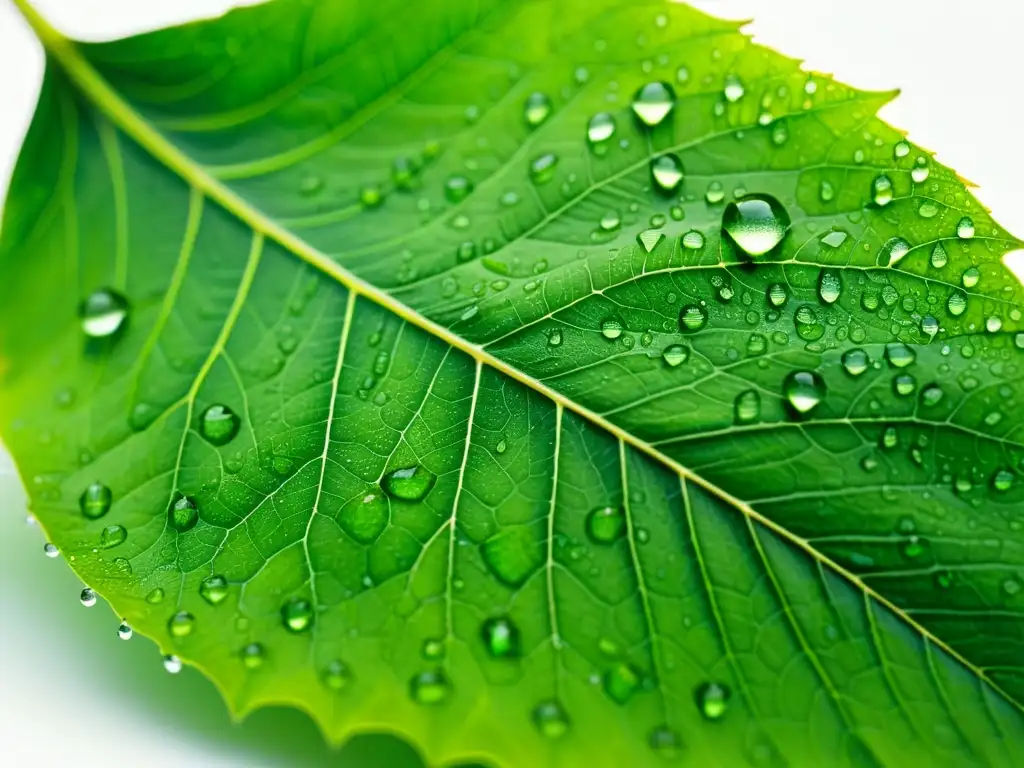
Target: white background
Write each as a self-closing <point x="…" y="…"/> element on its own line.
<point x="72" y="693"/>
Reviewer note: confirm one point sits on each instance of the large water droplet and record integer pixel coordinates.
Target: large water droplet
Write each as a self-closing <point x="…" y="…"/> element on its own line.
<point x="409" y="483"/>
<point x="712" y="700"/>
<point x="297" y="615"/>
<point x="103" y="313"/>
<point x="830" y="286"/>
<point x="365" y="517"/>
<point x="501" y="638"/>
<point x="881" y="190"/>
<point x="95" y="501"/>
<point x="600" y="131"/>
<point x="537" y="109"/>
<point x="550" y="719"/>
<point x="693" y="240"/>
<point x="183" y="514"/>
<point x="747" y="407"/>
<point x="856" y="361"/>
<point x="611" y="328"/>
<point x="939" y="257"/>
<point x="755" y="223"/>
<point x="606" y="524"/>
<point x="899" y="354"/>
<point x="956" y="304"/>
<point x="667" y="172"/>
<point x="965" y="228"/>
<point x="649" y="239"/>
<point x="430" y="688"/>
<point x="181" y="624"/>
<point x="804" y="390"/>
<point x="653" y="102"/>
<point x="214" y="589"/>
<point x="621" y="682"/>
<point x="904" y="385"/>
<point x="219" y="424"/>
<point x="893" y="250"/>
<point x="692" y="318"/>
<point x="970" y="277"/>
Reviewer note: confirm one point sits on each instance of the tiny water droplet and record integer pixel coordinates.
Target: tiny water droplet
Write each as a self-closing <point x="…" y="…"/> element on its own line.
<point x="1002" y="481"/>
<point x="409" y="483"/>
<point x="219" y="424"/>
<point x="665" y="742"/>
<point x="336" y="675"/>
<point x="172" y="664"/>
<point x="183" y="514"/>
<point x="297" y="615"/>
<point x="653" y="102"/>
<point x="600" y="130"/>
<point x="155" y="596"/>
<point x="755" y="223"/>
<point x="371" y="197"/>
<point x="827" y="192"/>
<point x="804" y="390"/>
<point x="501" y="638"/>
<point x="95" y="501"/>
<point x="103" y="313"/>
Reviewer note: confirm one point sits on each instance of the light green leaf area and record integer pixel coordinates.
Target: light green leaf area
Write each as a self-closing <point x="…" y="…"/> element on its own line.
<point x="422" y="411"/>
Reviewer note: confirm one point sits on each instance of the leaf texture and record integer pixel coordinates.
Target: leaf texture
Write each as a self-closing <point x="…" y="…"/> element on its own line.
<point x="483" y="486"/>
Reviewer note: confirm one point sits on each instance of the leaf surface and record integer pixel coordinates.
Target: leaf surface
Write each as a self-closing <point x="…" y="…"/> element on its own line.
<point x="429" y="415"/>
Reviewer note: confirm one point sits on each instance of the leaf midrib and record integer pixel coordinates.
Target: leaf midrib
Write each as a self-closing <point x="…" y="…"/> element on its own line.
<point x="101" y="94"/>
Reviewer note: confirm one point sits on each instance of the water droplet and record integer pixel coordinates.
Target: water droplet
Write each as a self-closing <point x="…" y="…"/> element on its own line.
<point x="931" y="395"/>
<point x="403" y="172"/>
<point x="409" y="483"/>
<point x="1011" y="587"/>
<point x="112" y="536"/>
<point x="715" y="193"/>
<point x="970" y="277"/>
<point x="712" y="700"/>
<point x="297" y="615"/>
<point x="692" y="318"/>
<point x="899" y="354"/>
<point x="649" y="239"/>
<point x="993" y="324"/>
<point x="965" y="228"/>
<point x="856" y="361"/>
<point x="183" y="514"/>
<point x="889" y="438"/>
<point x="881" y="190"/>
<point x="675" y="355"/>
<point x="172" y="664"/>
<point x="87" y="598"/>
<point x="829" y="286"/>
<point x="124" y="630"/>
<point x="501" y="638"/>
<point x="939" y="257"/>
<point x="50" y="550"/>
<point x="1002" y="481"/>
<point x="804" y="390"/>
<point x="902" y="149"/>
<point x="665" y="742"/>
<point x="956" y="304"/>
<point x="904" y="385"/>
<point x="457" y="189"/>
<point x="550" y="719"/>
<point x="214" y="589"/>
<point x="653" y="102"/>
<point x="253" y="656"/>
<point x="103" y="313"/>
<point x="693" y="240"/>
<point x="835" y="238"/>
<point x="893" y="250"/>
<point x="667" y="172"/>
<point x="606" y="524"/>
<point x="555" y="338"/>
<point x="336" y="675"/>
<point x="430" y="688"/>
<point x="310" y="185"/>
<point x="537" y="109"/>
<point x="610" y="221"/>
<point x="928" y="209"/>
<point x="542" y="169"/>
<point x="611" y="328"/>
<point x="621" y="682"/>
<point x="95" y="501"/>
<point x="219" y="424"/>
<point x="929" y="326"/>
<point x="733" y="90"/>
<point x="808" y="324"/>
<point x="371" y="196"/>
<point x="827" y="192"/>
<point x="181" y="624"/>
<point x="155" y="596"/>
<point x="755" y="223"/>
<point x="919" y="173"/>
<point x="747" y="407"/>
<point x="600" y="130"/>
<point x="777" y="294"/>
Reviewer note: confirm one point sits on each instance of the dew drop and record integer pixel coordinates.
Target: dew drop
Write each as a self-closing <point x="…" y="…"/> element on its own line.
<point x="430" y="688"/>
<point x="856" y="361"/>
<point x="919" y="173"/>
<point x="827" y="192"/>
<point x="693" y="240"/>
<point x="665" y="742"/>
<point x="501" y="638"/>
<point x="621" y="682"/>
<point x="537" y="109"/>
<point x="904" y="385"/>
<point x="692" y="318"/>
<point x="103" y="313"/>
<point x="550" y="719"/>
<point x="297" y="615"/>
<point x="610" y="221"/>
<point x="542" y="169"/>
<point x="956" y="304"/>
<point x="214" y="589"/>
<point x="777" y="294"/>
<point x="755" y="223"/>
<point x="600" y="130"/>
<point x="970" y="277"/>
<point x="371" y="197"/>
<point x="457" y="189"/>
<point x="653" y="102"/>
<point x="939" y="257"/>
<point x="112" y="536"/>
<point x="336" y="676"/>
<point x="965" y="228"/>
<point x="667" y="172"/>
<point x="183" y="514"/>
<point x="881" y="190"/>
<point x="181" y="624"/>
<point x="172" y="664"/>
<point x="124" y="630"/>
<point x="95" y="501"/>
<point x="902" y="149"/>
<point x="253" y="656"/>
<point x="830" y="286"/>
<point x="747" y="407"/>
<point x="87" y="598"/>
<point x="712" y="700"/>
<point x="733" y="90"/>
<point x="606" y="524"/>
<point x="804" y="390"/>
<point x="50" y="550"/>
<point x="899" y="354"/>
<point x="611" y="328"/>
<point x="675" y="355"/>
<point x="808" y="324"/>
<point x="219" y="424"/>
<point x="155" y="596"/>
<point x="409" y="483"/>
<point x="932" y="395"/>
<point x="929" y="326"/>
<point x="892" y="251"/>
<point x="649" y="239"/>
<point x="993" y="324"/>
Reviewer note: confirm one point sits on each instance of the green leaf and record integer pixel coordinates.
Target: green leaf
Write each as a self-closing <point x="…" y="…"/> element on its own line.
<point x="421" y="411"/>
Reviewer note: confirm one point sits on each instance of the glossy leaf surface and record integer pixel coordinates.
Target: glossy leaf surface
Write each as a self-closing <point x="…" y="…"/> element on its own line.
<point x="553" y="382"/>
